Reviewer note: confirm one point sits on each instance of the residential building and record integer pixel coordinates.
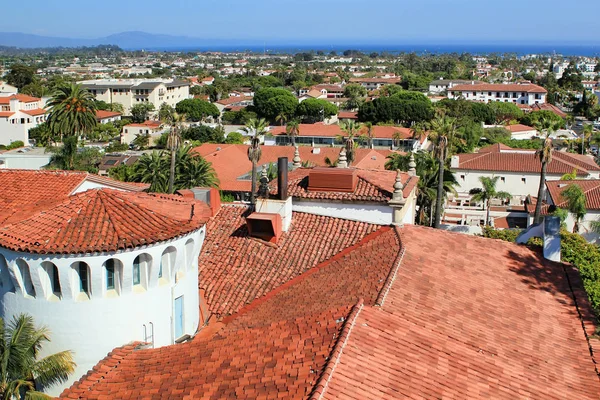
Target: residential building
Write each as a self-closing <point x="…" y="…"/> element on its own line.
<point x="153" y="129"/>
<point x="104" y="117"/>
<point x="375" y="83"/>
<point x="233" y="101"/>
<point x="114" y="160"/>
<point x="130" y="92"/>
<point x="442" y="85"/>
<point x="522" y="132"/>
<point x="18" y="114"/>
<point x="518" y="170"/>
<point x="6" y="89"/>
<point x="25" y="158"/>
<point x="518" y="93"/>
<point x="591" y="189"/>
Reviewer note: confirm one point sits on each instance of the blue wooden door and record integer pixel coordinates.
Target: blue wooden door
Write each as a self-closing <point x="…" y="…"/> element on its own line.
<point x="178" y="317"/>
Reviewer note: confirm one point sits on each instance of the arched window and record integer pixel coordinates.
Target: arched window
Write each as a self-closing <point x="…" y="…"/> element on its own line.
<point x="6" y="281"/>
<point x="141" y="270"/>
<point x="82" y="279"/>
<point x="113" y="273"/>
<point x="50" y="279"/>
<point x="25" y="278"/>
<point x="167" y="264"/>
<point x="189" y="254"/>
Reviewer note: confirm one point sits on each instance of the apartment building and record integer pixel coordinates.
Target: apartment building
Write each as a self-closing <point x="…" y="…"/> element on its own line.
<point x="130" y="92"/>
<point x="18" y="114"/>
<point x="440" y="85"/>
<point x="518" y="93"/>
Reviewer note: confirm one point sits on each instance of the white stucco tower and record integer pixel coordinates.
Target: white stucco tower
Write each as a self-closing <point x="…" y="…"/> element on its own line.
<point x="104" y="268"/>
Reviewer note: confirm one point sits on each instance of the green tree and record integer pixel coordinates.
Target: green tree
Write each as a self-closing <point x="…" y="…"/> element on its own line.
<point x="139" y="112"/>
<point x="193" y="170"/>
<point x="505" y="112"/>
<point x="314" y="110"/>
<point x="203" y="134"/>
<point x="234" y="138"/>
<point x="264" y="107"/>
<point x="165" y="113"/>
<point x="197" y="109"/>
<point x="355" y="94"/>
<point x="442" y="130"/>
<point x="575" y="198"/>
<point x="20" y="75"/>
<point x="279" y="107"/>
<point x="173" y="143"/>
<point x="488" y="192"/>
<point x="256" y="129"/>
<point x="544" y="153"/>
<point x="352" y="129"/>
<point x="72" y="114"/>
<point x="42" y="134"/>
<point x="292" y="130"/>
<point x="152" y="169"/>
<point x="24" y="373"/>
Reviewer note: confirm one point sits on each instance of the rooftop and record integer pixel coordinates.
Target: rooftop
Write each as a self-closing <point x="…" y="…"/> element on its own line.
<point x="500" y="87"/>
<point x="591" y="188"/>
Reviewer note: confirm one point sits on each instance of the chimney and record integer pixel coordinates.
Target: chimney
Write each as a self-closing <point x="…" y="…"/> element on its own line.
<point x="282" y="178"/>
<point x="454" y="162"/>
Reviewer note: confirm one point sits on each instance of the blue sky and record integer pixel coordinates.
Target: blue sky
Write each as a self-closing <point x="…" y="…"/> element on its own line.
<point x="313" y="20"/>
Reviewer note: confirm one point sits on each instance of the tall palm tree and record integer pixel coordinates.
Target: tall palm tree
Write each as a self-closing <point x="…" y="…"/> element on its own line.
<point x="256" y="128"/>
<point x="72" y="114"/>
<point x="588" y="131"/>
<point x="281" y="118"/>
<point x="545" y="127"/>
<point x="150" y="168"/>
<point x="292" y="129"/>
<point x="23" y="373"/>
<point x="368" y="133"/>
<point x="351" y="129"/>
<point x="442" y="129"/>
<point x="575" y="198"/>
<point x="173" y="143"/>
<point x="488" y="192"/>
<point x="193" y="170"/>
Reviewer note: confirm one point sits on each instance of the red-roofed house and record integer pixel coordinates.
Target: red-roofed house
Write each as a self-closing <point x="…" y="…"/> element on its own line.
<point x="18" y="114"/>
<point x="518" y="93"/>
<point x="522" y="132"/>
<point x="152" y="129"/>
<point x="104" y="116"/>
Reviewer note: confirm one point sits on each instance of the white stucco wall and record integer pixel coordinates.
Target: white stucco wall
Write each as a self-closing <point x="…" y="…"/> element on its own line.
<point x="24" y="161"/>
<point x="512" y="183"/>
<point x="375" y="214"/>
<point x="93" y="326"/>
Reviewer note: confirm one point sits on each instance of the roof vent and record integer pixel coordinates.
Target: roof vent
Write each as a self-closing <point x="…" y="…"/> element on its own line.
<point x="374" y="158"/>
<point x="562" y="185"/>
<point x="265" y="226"/>
<point x="218" y="148"/>
<point x="316" y="150"/>
<point x="332" y="179"/>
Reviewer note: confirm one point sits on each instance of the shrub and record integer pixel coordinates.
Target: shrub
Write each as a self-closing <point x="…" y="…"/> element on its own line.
<point x="15" y="145"/>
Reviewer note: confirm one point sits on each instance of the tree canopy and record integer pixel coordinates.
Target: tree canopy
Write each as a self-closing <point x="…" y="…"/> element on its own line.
<point x="314" y="110"/>
<point x="197" y="110"/>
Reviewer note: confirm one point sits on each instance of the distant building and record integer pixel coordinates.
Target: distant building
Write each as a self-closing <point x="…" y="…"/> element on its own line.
<point x="130" y="92"/>
<point x="153" y="129"/>
<point x="375" y="83"/>
<point x="18" y="114"/>
<point x="441" y="85"/>
<point x="519" y="93"/>
<point x="5" y="89"/>
<point x="104" y="117"/>
<point x="25" y="158"/>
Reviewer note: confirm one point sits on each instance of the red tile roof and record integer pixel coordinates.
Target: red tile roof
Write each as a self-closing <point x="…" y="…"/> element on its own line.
<point x="33" y="113"/>
<point x="373" y="186"/>
<point x="377" y="80"/>
<point x="103" y="114"/>
<point x="230" y="161"/>
<point x="103" y="220"/>
<point x="236" y="269"/>
<point x="275" y="347"/>
<point x="21" y="97"/>
<point x="233" y="99"/>
<point x="322" y="130"/>
<point x="503" y="158"/>
<point x="591" y="188"/>
<point x="347" y="115"/>
<point x="519" y="128"/>
<point x="470" y="318"/>
<point x="146" y="124"/>
<point x="6" y="114"/>
<point x="549" y="107"/>
<point x="499" y="87"/>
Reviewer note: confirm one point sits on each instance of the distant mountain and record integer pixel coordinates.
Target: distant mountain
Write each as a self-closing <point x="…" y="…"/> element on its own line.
<point x="125" y="40"/>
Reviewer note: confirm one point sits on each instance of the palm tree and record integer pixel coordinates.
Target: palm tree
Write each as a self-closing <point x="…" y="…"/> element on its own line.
<point x="23" y="374"/>
<point x="193" y="170"/>
<point x="165" y="113"/>
<point x="368" y="133"/>
<point x="293" y="130"/>
<point x="150" y="168"/>
<point x="575" y="198"/>
<point x="281" y="118"/>
<point x="351" y="128"/>
<point x="547" y="127"/>
<point x="173" y="143"/>
<point x="256" y="128"/>
<point x="487" y="193"/>
<point x="588" y="131"/>
<point x="442" y="129"/>
<point x="418" y="130"/>
<point x="72" y="114"/>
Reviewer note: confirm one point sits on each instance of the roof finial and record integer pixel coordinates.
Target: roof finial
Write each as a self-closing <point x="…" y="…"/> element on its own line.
<point x="263" y="190"/>
<point x="342" y="160"/>
<point x="296" y="161"/>
<point x="398" y="186"/>
<point x="412" y="165"/>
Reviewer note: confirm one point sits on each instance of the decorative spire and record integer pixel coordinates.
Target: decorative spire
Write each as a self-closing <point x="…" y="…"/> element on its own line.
<point x="398" y="186"/>
<point x="342" y="160"/>
<point x="263" y="190"/>
<point x="412" y="165"/>
<point x="296" y="161"/>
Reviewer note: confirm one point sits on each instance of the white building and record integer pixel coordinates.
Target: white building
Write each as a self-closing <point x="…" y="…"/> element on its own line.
<point x="518" y="93"/>
<point x="18" y="114"/>
<point x="104" y="117"/>
<point x="25" y="158"/>
<point x="134" y="277"/>
<point x="130" y="92"/>
<point x="518" y="170"/>
<point x="5" y="89"/>
<point x="152" y="129"/>
<point x="441" y="85"/>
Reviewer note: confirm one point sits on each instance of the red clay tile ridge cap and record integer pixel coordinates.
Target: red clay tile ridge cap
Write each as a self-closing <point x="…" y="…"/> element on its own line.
<point x="380" y="301"/>
<point x="104" y="220"/>
<point x="334" y="358"/>
<point x="100" y="371"/>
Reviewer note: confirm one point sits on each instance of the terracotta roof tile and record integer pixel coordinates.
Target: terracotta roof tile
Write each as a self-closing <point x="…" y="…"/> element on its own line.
<point x="23" y="98"/>
<point x="102" y="220"/>
<point x="103" y="114"/>
<point x="36" y="112"/>
<point x="469" y="317"/>
<point x="591" y="188"/>
<point x="499" y="87"/>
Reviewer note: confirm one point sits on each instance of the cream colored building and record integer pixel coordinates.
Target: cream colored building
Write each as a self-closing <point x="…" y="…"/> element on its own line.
<point x="130" y="92"/>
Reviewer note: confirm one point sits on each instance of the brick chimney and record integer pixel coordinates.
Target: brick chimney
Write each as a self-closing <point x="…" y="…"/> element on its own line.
<point x="282" y="203"/>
